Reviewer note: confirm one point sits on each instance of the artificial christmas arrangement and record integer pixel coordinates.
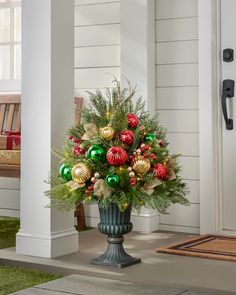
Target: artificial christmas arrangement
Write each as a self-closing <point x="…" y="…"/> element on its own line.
<point x="118" y="157"/>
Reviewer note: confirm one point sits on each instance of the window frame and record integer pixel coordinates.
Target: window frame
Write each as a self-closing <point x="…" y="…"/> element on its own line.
<point x="11" y="85"/>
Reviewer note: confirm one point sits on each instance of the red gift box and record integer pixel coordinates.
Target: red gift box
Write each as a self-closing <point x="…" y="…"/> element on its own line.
<point x="10" y="140"/>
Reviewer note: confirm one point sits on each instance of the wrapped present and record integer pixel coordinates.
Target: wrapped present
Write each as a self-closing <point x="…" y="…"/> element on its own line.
<point x="10" y="141"/>
<point x="9" y="157"/>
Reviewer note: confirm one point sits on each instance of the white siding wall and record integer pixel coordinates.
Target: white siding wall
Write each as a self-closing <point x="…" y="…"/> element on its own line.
<point x="177" y="99"/>
<point x="97" y="59"/>
<point x="97" y="44"/>
<point x="9" y="197"/>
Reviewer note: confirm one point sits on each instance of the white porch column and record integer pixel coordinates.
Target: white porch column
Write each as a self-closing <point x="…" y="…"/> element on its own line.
<point x="47" y="110"/>
<point x="137" y="33"/>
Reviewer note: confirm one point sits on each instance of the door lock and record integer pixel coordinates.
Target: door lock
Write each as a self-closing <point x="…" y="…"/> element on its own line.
<point x="228" y="54"/>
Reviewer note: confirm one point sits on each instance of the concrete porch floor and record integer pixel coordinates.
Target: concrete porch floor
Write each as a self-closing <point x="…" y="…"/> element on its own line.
<point x="187" y="274"/>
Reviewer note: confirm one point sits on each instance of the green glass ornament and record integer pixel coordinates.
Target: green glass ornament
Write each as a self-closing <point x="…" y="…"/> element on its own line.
<point x="96" y="152"/>
<point x="112" y="180"/>
<point x="149" y="137"/>
<point x="65" y="172"/>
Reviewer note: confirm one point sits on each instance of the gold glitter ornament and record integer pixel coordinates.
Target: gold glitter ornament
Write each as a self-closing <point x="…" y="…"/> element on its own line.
<point x="140" y="164"/>
<point x="80" y="173"/>
<point x="107" y="132"/>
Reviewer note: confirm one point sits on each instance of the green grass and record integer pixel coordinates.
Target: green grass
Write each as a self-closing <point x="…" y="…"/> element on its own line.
<point x="13" y="279"/>
<point x="8" y="229"/>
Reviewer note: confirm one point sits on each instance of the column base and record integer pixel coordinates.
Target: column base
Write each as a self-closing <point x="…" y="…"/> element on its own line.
<point x="47" y="246"/>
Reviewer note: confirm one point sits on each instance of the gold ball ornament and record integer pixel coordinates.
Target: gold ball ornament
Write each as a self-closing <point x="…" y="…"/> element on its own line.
<point x="107" y="132"/>
<point x="140" y="164"/>
<point x="80" y="173"/>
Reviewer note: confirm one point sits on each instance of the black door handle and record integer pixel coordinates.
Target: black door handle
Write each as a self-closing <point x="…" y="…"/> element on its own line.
<point x="228" y="92"/>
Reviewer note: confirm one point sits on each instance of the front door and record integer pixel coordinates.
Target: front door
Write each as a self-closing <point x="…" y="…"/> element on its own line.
<point x="227" y="118"/>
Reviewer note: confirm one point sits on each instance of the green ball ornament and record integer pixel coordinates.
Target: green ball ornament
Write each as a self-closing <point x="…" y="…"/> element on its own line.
<point x="149" y="137"/>
<point x="65" y="172"/>
<point x="96" y="152"/>
<point x="113" y="180"/>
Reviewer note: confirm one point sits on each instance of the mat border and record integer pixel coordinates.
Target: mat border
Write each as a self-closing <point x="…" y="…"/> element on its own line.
<point x="169" y="249"/>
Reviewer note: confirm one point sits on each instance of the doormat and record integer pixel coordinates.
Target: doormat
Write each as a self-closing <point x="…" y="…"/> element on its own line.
<point x="206" y="246"/>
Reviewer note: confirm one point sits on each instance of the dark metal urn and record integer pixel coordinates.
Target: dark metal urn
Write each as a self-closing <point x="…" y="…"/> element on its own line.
<point x="115" y="224"/>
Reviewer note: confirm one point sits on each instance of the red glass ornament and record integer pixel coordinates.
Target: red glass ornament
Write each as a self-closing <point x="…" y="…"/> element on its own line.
<point x="160" y="171"/>
<point x="132" y="120"/>
<point x="127" y="137"/>
<point x="90" y="187"/>
<point x="116" y="156"/>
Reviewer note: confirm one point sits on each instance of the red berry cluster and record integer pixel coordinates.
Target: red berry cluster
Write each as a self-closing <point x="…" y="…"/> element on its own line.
<point x="74" y="139"/>
<point x="89" y="190"/>
<point x="77" y="150"/>
<point x="132" y="181"/>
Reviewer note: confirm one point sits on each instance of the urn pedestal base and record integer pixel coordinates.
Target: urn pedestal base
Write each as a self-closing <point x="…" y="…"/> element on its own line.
<point x="115" y="254"/>
<point x="115" y="224"/>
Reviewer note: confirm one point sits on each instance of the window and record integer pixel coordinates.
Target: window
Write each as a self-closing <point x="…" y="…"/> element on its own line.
<point x="10" y="44"/>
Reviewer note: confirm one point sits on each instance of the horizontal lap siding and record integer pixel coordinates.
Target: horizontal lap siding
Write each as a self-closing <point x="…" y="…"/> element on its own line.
<point x="9" y="197"/>
<point x="177" y="100"/>
<point x="97" y="45"/>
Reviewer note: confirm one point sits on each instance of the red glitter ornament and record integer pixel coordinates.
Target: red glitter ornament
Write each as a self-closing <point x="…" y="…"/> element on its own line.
<point x="90" y="188"/>
<point x="160" y="171"/>
<point x="132" y="120"/>
<point x="116" y="156"/>
<point x="127" y="137"/>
